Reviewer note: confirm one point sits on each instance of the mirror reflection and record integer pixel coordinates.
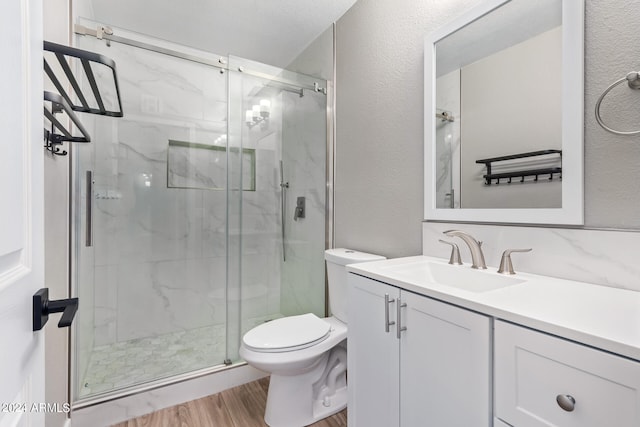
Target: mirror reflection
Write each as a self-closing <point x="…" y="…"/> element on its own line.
<point x="498" y="109"/>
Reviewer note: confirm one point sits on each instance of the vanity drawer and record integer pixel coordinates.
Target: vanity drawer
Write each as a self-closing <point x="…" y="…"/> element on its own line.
<point x="532" y="370"/>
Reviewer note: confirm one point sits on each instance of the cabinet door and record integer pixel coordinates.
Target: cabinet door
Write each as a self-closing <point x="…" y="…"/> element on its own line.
<point x="373" y="355"/>
<point x="445" y="365"/>
<point x="542" y="380"/>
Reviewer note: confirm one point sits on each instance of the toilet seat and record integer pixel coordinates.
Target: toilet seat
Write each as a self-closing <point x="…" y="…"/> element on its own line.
<point x="287" y="334"/>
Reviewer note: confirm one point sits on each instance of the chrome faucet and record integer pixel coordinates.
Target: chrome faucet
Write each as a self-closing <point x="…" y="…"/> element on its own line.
<point x="475" y="247"/>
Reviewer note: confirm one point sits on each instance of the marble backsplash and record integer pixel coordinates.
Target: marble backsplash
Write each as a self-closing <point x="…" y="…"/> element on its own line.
<point x="603" y="257"/>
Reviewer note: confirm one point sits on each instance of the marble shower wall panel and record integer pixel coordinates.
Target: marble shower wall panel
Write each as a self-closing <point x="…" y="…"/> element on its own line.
<point x="261" y="242"/>
<point x="214" y="224"/>
<point x="156" y="247"/>
<point x="156" y="84"/>
<point x="106" y="304"/>
<point x="260" y="279"/>
<point x="304" y="156"/>
<point x="196" y="167"/>
<point x="177" y="296"/>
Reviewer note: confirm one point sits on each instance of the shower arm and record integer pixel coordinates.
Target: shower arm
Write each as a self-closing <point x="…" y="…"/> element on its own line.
<point x="283" y="199"/>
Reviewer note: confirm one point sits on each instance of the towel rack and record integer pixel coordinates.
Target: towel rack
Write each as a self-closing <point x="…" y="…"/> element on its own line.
<point x="58" y="133"/>
<point x="92" y="101"/>
<point x="522" y="174"/>
<point x="633" y="80"/>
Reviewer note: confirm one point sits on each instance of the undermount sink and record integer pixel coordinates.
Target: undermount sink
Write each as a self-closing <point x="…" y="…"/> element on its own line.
<point x="457" y="276"/>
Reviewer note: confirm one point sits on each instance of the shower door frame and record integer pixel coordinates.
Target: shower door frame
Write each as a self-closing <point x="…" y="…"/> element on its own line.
<point x="74" y="208"/>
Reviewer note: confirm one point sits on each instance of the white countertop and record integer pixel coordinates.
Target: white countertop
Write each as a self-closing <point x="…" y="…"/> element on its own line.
<point x="599" y="316"/>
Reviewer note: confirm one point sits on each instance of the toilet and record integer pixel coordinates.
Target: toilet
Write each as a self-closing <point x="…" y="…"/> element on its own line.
<point x="306" y="355"/>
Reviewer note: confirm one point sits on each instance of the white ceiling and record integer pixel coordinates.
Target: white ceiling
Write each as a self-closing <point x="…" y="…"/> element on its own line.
<point x="269" y="31"/>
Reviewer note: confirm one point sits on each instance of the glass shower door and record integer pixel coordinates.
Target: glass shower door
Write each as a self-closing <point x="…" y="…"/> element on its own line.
<point x="206" y="208"/>
<point x="153" y="281"/>
<point x="278" y="130"/>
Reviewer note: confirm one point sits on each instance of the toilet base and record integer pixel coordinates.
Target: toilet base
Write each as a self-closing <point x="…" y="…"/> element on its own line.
<point x="300" y="400"/>
<point x="337" y="403"/>
<point x="284" y="411"/>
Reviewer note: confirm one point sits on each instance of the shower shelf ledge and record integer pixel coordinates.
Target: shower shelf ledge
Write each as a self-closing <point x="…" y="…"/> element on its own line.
<point x="63" y="100"/>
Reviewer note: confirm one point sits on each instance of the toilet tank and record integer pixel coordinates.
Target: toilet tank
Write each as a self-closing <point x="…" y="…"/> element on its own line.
<point x="337" y="275"/>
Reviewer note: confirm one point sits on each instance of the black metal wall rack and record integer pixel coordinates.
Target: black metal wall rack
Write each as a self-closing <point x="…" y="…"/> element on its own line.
<point x="520" y="173"/>
<point x="75" y="100"/>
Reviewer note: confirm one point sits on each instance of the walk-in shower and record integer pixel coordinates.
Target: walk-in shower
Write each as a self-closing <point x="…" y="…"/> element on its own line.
<point x="180" y="216"/>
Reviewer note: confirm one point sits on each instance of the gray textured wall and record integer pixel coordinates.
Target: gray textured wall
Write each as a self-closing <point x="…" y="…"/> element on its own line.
<point x="612" y="163"/>
<point x="379" y="122"/>
<point x="317" y="58"/>
<point x="379" y="180"/>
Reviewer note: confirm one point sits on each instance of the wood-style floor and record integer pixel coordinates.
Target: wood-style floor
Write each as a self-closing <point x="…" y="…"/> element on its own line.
<point x="241" y="406"/>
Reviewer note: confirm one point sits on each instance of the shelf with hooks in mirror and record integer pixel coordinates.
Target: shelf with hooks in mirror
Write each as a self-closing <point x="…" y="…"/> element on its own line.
<point x="93" y="89"/>
<point x="533" y="164"/>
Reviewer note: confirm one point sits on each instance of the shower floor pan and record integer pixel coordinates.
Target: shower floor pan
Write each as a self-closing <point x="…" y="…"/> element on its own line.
<point x="127" y="363"/>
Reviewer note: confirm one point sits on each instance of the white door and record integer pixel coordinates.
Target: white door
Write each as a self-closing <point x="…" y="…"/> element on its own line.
<point x="373" y="354"/>
<point x="21" y="212"/>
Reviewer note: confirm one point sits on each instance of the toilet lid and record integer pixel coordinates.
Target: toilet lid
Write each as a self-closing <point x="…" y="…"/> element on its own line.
<point x="287" y="334"/>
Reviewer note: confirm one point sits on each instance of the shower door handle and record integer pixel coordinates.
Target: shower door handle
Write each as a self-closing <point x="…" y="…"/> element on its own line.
<point x="283" y="200"/>
<point x="89" y="209"/>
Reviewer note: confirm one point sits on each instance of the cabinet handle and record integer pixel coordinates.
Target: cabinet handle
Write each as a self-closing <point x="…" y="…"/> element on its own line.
<point x="566" y="402"/>
<point x="387" y="323"/>
<point x="400" y="328"/>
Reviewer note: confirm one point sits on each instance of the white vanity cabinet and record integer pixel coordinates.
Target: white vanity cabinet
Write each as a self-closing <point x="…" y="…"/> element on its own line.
<point x="437" y="372"/>
<point x="542" y="380"/>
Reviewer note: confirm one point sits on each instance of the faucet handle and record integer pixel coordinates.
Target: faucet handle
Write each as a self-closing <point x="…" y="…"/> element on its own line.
<point x="455" y="252"/>
<point x="506" y="266"/>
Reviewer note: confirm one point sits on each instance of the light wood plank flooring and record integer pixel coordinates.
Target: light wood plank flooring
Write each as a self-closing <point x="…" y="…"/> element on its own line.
<point x="241" y="406"/>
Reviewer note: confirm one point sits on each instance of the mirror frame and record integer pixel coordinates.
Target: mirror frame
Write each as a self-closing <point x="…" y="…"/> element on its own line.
<point x="572" y="210"/>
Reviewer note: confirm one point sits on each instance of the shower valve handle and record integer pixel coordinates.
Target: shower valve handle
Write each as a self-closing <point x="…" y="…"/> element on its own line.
<point x="300" y="208"/>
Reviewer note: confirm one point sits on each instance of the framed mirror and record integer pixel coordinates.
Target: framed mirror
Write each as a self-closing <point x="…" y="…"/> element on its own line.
<point x="504" y="114"/>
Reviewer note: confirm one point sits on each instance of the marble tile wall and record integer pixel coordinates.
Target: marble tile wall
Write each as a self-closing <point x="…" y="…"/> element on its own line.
<point x="157" y="247"/>
<point x="159" y="252"/>
<point x="304" y="155"/>
<point x="261" y="257"/>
